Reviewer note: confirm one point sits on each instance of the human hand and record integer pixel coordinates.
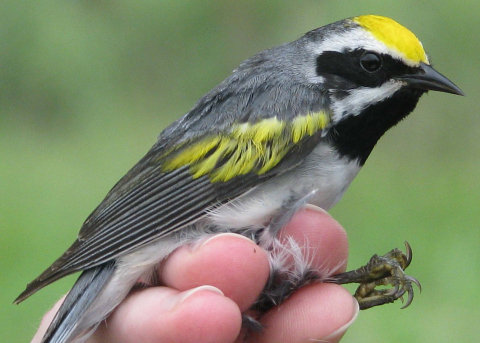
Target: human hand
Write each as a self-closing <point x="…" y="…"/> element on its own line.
<point x="236" y="270"/>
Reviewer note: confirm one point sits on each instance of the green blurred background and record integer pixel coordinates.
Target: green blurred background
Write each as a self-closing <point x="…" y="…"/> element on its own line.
<point x="86" y="86"/>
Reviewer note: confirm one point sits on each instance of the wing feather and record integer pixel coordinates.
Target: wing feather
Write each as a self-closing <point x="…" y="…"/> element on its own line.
<point x="198" y="163"/>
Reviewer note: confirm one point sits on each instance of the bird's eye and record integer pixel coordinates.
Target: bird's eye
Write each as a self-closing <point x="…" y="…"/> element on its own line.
<point x="371" y="62"/>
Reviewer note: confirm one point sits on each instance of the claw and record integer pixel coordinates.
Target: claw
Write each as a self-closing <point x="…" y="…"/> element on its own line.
<point x="415" y="281"/>
<point x="386" y="270"/>
<point x="394" y="290"/>
<point x="408" y="253"/>
<point x="409" y="299"/>
<point x="402" y="291"/>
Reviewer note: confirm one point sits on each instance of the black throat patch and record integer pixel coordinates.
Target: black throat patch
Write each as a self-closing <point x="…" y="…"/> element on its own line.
<point x="356" y="136"/>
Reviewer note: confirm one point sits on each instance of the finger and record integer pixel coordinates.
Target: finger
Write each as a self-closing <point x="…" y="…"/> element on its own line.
<point x="46" y="320"/>
<point x="320" y="312"/>
<point x="161" y="314"/>
<point x="229" y="262"/>
<point x="323" y="239"/>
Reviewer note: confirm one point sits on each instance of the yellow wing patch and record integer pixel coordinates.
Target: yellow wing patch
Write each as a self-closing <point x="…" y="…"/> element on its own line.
<point x="245" y="148"/>
<point x="395" y="36"/>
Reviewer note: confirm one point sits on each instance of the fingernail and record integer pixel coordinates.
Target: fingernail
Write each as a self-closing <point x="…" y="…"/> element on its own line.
<point x="316" y="209"/>
<point x="228" y="234"/>
<point x="180" y="298"/>
<point x="338" y="334"/>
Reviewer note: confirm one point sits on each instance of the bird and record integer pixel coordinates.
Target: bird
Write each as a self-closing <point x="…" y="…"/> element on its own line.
<point x="293" y="125"/>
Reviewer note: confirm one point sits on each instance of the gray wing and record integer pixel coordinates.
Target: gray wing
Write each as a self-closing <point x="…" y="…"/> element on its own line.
<point x="145" y="205"/>
<point x="150" y="202"/>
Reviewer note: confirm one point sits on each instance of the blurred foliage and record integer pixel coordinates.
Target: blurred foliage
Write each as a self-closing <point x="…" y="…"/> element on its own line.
<point x="86" y="86"/>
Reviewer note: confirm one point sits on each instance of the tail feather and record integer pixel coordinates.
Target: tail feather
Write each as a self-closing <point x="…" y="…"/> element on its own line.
<point x="39" y="283"/>
<point x="87" y="288"/>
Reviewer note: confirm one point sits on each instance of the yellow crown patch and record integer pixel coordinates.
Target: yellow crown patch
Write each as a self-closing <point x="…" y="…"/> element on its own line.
<point x="394" y="36"/>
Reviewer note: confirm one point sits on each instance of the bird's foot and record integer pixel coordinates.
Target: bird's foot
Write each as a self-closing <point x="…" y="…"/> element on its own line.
<point x="386" y="270"/>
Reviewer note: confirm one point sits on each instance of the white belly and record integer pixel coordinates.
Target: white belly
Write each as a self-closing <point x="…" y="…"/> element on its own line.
<point x="322" y="173"/>
<point x="329" y="175"/>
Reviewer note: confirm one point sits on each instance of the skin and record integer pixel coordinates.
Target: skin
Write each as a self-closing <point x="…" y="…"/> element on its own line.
<point x="236" y="270"/>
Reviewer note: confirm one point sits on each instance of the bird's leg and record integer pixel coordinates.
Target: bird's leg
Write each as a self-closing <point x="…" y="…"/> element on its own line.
<point x="381" y="271"/>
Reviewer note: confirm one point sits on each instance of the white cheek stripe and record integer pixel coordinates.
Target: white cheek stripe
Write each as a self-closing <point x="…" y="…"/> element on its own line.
<point x="362" y="97"/>
<point x="358" y="38"/>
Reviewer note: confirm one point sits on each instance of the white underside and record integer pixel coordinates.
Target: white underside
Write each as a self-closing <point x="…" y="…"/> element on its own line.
<point x="322" y="172"/>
